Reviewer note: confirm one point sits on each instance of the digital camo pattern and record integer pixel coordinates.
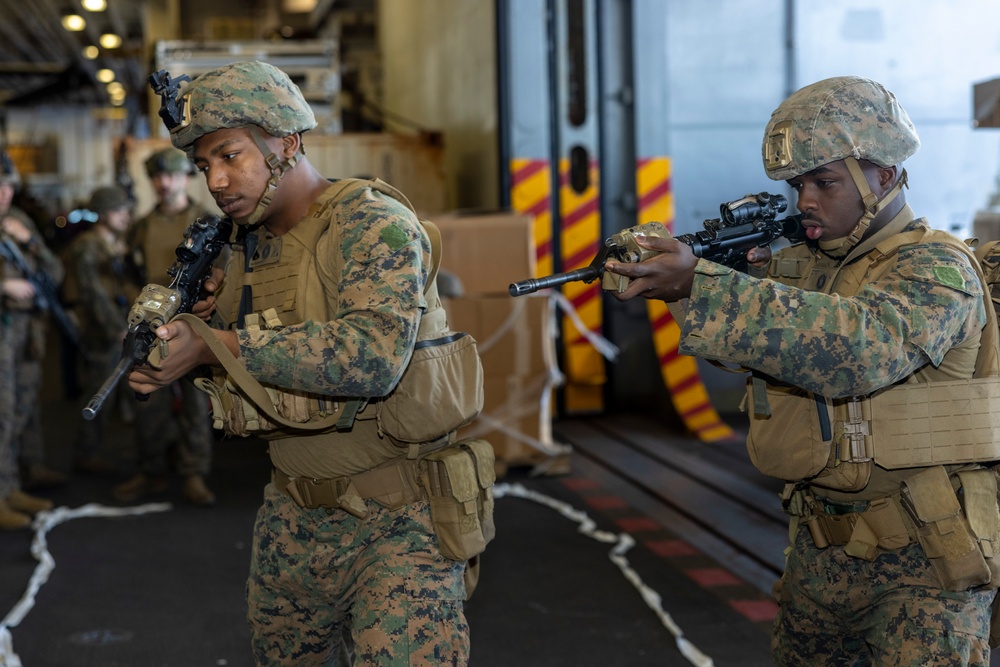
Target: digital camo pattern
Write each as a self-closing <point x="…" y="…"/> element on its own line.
<point x="363" y="349"/>
<point x="318" y="577"/>
<point x="22" y="346"/>
<point x="833" y="119"/>
<point x="15" y="407"/>
<point x="895" y="325"/>
<point x="9" y="474"/>
<point x="835" y="609"/>
<point x="100" y="291"/>
<point x="241" y="94"/>
<point x="98" y="285"/>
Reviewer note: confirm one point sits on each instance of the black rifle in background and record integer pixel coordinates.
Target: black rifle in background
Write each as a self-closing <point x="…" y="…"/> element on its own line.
<point x="46" y="292"/>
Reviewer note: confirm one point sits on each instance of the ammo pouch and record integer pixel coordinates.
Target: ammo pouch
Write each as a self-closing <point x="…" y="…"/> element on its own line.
<point x="459" y="481"/>
<point x="235" y="414"/>
<point x="440" y="391"/>
<point x="945" y="534"/>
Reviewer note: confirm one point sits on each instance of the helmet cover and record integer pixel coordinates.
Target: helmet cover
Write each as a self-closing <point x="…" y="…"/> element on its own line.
<point x="833" y="119"/>
<point x="238" y="95"/>
<point x="168" y="160"/>
<point x="108" y="198"/>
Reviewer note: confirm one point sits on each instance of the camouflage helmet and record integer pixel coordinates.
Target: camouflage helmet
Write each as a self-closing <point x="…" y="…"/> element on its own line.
<point x="108" y="198"/>
<point x="833" y="119"/>
<point x="8" y="171"/>
<point x="170" y="161"/>
<point x="238" y="95"/>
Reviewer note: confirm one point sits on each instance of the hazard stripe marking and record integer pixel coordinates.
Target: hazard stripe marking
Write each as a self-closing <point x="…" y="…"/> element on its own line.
<point x="679" y="372"/>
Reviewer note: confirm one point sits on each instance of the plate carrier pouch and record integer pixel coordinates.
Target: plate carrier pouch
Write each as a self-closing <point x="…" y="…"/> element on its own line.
<point x="440" y="391"/>
<point x="459" y="482"/>
<point x="910" y="425"/>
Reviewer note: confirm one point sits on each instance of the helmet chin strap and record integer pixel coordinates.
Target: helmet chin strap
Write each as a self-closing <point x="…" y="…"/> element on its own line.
<point x="873" y="205"/>
<point x="278" y="169"/>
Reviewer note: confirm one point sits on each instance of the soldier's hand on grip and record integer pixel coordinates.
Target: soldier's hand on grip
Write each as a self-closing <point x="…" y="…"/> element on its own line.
<point x="667" y="276"/>
<point x="204" y="308"/>
<point x="184" y="351"/>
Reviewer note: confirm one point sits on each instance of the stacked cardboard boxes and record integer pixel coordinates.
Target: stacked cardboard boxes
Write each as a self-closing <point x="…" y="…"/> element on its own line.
<point x="487" y="252"/>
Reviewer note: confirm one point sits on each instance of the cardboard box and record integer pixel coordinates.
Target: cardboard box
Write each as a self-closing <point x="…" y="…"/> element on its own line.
<point x="512" y="419"/>
<point x="512" y="333"/>
<point x="487" y="252"/>
<point x="412" y="164"/>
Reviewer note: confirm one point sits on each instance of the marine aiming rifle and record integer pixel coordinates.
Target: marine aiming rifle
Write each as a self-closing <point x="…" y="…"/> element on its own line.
<point x="156" y="305"/>
<point x="46" y="292"/>
<point x="744" y="223"/>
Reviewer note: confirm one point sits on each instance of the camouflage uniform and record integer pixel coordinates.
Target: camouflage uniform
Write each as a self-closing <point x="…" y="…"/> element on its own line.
<point x="327" y="583"/>
<point x="155" y="238"/>
<point x="22" y="348"/>
<point x="101" y="288"/>
<point x="914" y="320"/>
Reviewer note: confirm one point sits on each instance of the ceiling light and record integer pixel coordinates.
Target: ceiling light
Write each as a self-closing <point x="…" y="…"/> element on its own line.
<point x="91" y="52"/>
<point x="298" y="6"/>
<point x="94" y="5"/>
<point x="105" y="75"/>
<point x="109" y="40"/>
<point x="115" y="88"/>
<point x="73" y="22"/>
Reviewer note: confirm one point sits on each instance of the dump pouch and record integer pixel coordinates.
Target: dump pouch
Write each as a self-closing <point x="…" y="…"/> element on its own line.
<point x="943" y="531"/>
<point x="440" y="391"/>
<point x="788" y="442"/>
<point x="459" y="485"/>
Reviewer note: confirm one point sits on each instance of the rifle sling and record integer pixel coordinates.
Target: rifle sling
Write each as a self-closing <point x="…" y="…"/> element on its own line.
<point x="247" y="383"/>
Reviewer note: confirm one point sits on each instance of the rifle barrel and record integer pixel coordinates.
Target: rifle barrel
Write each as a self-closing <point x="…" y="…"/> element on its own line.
<point x="586" y="274"/>
<point x="94" y="406"/>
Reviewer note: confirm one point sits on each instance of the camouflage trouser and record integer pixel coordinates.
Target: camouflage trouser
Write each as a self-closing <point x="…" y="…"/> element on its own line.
<point x="320" y="579"/>
<point x="837" y="610"/>
<point x="9" y="477"/>
<point x="157" y="427"/>
<point x="20" y="385"/>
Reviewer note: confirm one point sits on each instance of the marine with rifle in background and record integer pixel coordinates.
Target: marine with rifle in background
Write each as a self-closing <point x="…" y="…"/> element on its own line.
<point x="101" y="285"/>
<point x="153" y="241"/>
<point x="26" y="266"/>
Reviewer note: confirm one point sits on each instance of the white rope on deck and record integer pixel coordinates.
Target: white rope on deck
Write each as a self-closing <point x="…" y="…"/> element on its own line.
<point x="623" y="542"/>
<point x="43" y="523"/>
<point x="46" y="521"/>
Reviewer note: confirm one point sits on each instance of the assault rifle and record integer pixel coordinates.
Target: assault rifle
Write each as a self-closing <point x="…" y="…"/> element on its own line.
<point x="744" y="223"/>
<point x="156" y="305"/>
<point x="46" y="291"/>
